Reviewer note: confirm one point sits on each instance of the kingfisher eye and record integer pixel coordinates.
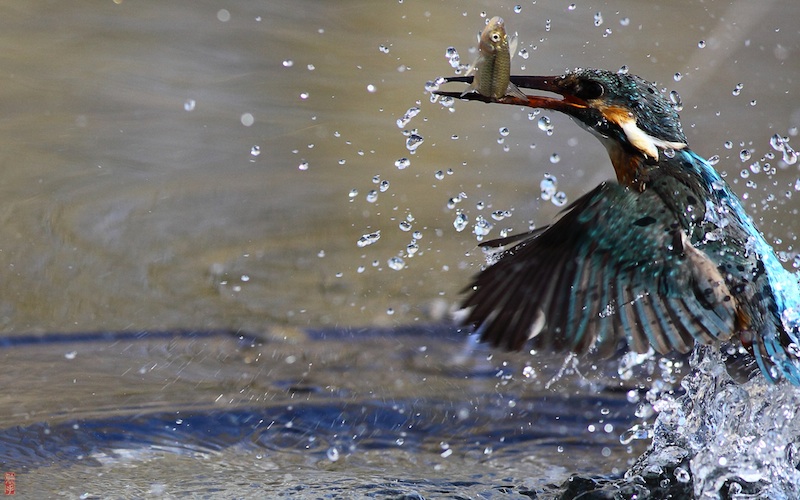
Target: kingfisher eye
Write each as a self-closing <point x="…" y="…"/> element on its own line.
<point x="588" y="89"/>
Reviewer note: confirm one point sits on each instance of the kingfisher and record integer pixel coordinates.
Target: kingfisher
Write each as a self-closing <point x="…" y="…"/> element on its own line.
<point x="666" y="256"/>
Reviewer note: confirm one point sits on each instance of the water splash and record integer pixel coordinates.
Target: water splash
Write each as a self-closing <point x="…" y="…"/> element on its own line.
<point x="723" y="437"/>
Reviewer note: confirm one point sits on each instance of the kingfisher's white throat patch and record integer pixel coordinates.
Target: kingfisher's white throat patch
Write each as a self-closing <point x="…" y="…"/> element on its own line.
<point x="638" y="138"/>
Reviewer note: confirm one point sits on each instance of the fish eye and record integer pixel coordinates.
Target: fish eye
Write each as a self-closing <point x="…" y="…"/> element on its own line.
<point x="588" y="89"/>
<point x="495" y="37"/>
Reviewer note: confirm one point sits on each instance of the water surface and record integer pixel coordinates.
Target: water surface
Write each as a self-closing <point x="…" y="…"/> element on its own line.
<point x="189" y="166"/>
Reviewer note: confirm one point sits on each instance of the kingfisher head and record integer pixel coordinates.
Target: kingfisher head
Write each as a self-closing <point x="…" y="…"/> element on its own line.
<point x="617" y="107"/>
<point x="632" y="118"/>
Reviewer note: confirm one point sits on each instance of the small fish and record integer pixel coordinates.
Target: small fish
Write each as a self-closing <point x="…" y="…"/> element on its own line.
<point x="492" y="69"/>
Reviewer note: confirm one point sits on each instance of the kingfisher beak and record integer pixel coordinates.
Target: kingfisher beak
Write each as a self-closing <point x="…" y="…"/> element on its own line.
<point x="567" y="103"/>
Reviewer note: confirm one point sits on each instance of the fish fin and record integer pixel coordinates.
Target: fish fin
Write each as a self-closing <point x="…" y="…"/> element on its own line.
<point x="475" y="85"/>
<point x="513" y="90"/>
<point x="474" y="71"/>
<point x="512" y="45"/>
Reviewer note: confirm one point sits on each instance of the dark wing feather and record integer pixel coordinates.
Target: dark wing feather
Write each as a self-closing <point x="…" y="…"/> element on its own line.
<point x="616" y="264"/>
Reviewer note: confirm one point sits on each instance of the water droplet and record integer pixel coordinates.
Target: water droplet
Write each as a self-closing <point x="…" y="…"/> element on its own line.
<point x="728" y="145"/>
<point x="402" y="163"/>
<point x="675" y="98"/>
<point x="460" y="222"/>
<point x="481" y="227"/>
<point x="288" y="63"/>
<point x="411" y="113"/>
<point x="548" y="186"/>
<point x="71" y="355"/>
<point x="623" y="70"/>
<point x="384" y="186"/>
<point x="745" y="154"/>
<point x="559" y="199"/>
<point x="247" y="119"/>
<point x="447" y="101"/>
<point x="701" y="44"/>
<point x="625" y="21"/>
<point x="504" y="131"/>
<point x="572" y="6"/>
<point x="713" y="160"/>
<point x="413" y="142"/>
<point x="598" y="18"/>
<point x="776" y="141"/>
<point x="332" y="454"/>
<point x="555" y="158"/>
<point x="523" y="53"/>
<point x="547" y="24"/>
<point x="303" y="165"/>
<point x="546" y="125"/>
<point x="433" y="85"/>
<point x="677" y="77"/>
<point x="744" y="174"/>
<point x="189" y="105"/>
<point x="372" y="196"/>
<point x="383" y="48"/>
<point x="255" y="150"/>
<point x="737" y="89"/>
<point x="368" y="239"/>
<point x="371" y="88"/>
<point x="789" y="155"/>
<point x="352" y="194"/>
<point x="500" y="214"/>
<point x="517" y="9"/>
<point x="439" y="175"/>
<point x="405" y="226"/>
<point x="396" y="263"/>
<point x="223" y="15"/>
<point x="452" y="56"/>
